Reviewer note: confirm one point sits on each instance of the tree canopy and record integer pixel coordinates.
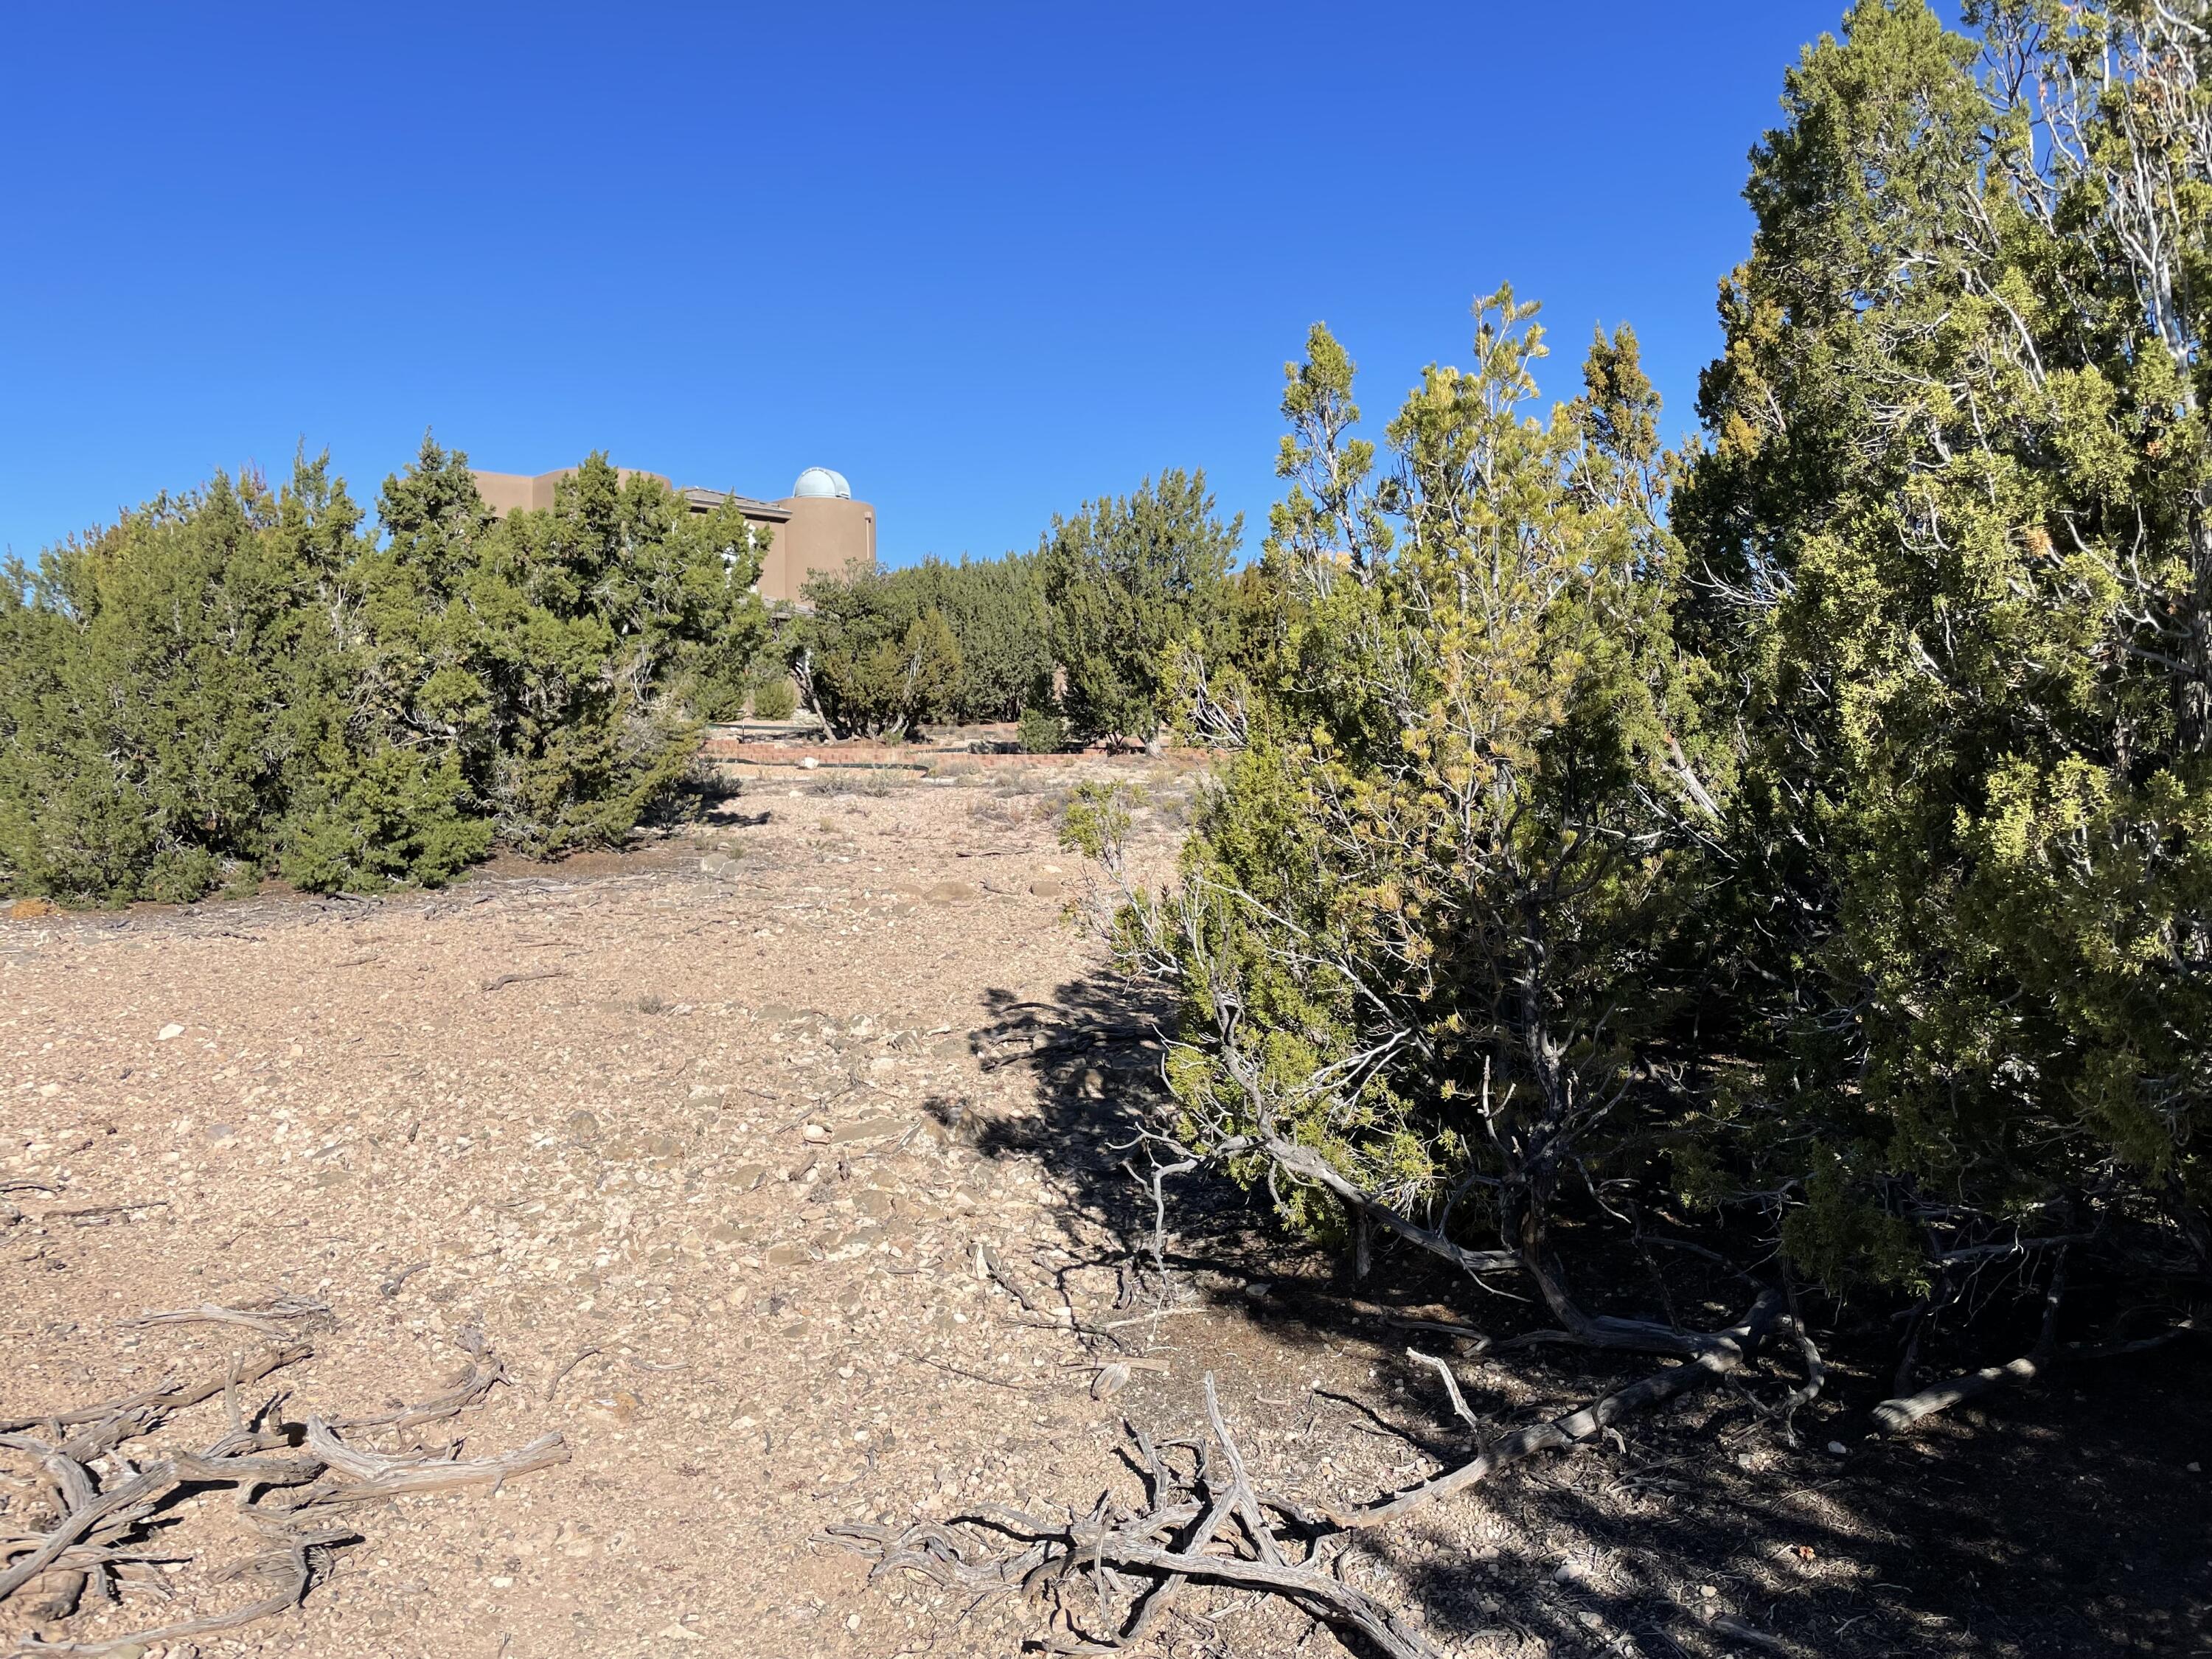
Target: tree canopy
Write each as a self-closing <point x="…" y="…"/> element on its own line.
<point x="245" y="681"/>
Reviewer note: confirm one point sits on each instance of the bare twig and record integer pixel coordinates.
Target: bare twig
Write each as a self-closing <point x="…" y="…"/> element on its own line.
<point x="505" y="979"/>
<point x="574" y="1361"/>
<point x="1451" y="1388"/>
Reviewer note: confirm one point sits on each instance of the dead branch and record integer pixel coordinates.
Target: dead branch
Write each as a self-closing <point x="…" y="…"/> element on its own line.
<point x="1727" y="1352"/>
<point x="1451" y="1388"/>
<point x="480" y="1377"/>
<point x="1082" y="1561"/>
<point x="99" y="1537"/>
<point x="133" y="1499"/>
<point x="294" y="1561"/>
<point x="269" y="1320"/>
<point x="380" y="1474"/>
<point x="128" y="1417"/>
<point x="1895" y="1416"/>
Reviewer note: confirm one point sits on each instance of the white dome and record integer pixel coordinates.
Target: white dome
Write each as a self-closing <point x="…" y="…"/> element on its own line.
<point x="820" y="481"/>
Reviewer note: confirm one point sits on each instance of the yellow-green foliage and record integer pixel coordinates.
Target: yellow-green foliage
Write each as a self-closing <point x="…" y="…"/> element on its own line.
<point x="1427" y="911"/>
<point x="1836" y="834"/>
<point x="1956" y="506"/>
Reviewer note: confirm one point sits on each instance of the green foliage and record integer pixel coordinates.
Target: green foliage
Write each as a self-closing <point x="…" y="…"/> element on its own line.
<point x="866" y="674"/>
<point x="1955" y="500"/>
<point x="1832" y="836"/>
<point x="1425" y="916"/>
<point x="1130" y="582"/>
<point x="239" y="682"/>
<point x="1042" y="730"/>
<point x="1096" y="818"/>
<point x="852" y="647"/>
<point x="775" y="699"/>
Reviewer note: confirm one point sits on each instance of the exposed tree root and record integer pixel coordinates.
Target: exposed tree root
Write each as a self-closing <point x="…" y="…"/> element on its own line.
<point x="96" y="1547"/>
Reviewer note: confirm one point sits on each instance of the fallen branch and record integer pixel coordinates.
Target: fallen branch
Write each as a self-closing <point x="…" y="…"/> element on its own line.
<point x="98" y="1540"/>
<point x="128" y="1417"/>
<point x="482" y="1376"/>
<point x="268" y="1321"/>
<point x="380" y="1474"/>
<point x="1105" y="1545"/>
<point x="1897" y="1415"/>
<point x="1727" y="1352"/>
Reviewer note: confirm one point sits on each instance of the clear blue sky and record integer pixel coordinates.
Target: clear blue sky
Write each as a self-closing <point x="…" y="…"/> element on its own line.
<point x="988" y="259"/>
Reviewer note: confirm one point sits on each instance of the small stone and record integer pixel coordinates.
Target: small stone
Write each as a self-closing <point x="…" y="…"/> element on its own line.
<point x="817" y="1132"/>
<point x="2194" y="1468"/>
<point x="221" y="1134"/>
<point x="1707" y="1591"/>
<point x="584" y="1126"/>
<point x="952" y="892"/>
<point x="168" y="1031"/>
<point x="620" y="1406"/>
<point x="677" y="1632"/>
<point x="1837" y="1448"/>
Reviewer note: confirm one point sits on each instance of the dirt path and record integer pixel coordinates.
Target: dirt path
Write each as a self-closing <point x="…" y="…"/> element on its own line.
<point x="716" y="1144"/>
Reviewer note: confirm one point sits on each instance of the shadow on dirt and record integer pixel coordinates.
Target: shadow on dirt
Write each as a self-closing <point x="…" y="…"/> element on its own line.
<point x="2073" y="1519"/>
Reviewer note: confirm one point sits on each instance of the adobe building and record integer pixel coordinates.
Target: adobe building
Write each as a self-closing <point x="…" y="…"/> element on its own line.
<point x="818" y="527"/>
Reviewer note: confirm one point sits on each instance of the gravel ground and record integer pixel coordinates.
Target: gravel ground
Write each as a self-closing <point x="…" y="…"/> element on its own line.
<point x="710" y="1136"/>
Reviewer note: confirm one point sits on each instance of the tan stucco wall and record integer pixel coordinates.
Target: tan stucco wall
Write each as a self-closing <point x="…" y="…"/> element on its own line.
<point x="822" y="534"/>
<point x="517" y="492"/>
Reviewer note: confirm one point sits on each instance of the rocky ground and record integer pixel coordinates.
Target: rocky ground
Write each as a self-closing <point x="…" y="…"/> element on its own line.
<point x="775" y="1166"/>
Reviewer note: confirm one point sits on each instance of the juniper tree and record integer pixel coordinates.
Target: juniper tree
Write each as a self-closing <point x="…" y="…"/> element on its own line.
<point x="1953" y="531"/>
<point x="1420" y="931"/>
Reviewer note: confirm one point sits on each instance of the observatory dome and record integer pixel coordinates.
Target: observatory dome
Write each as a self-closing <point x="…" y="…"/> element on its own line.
<point x="819" y="481"/>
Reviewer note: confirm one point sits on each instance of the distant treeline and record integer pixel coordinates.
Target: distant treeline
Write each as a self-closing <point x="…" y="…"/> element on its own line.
<point x="246" y="680"/>
<point x="1078" y="639"/>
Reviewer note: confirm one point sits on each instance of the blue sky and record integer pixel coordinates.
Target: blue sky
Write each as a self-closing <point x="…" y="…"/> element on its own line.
<point x="988" y="259"/>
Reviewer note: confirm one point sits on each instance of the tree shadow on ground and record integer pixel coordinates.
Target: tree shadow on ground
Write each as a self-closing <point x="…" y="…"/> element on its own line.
<point x="2071" y="1519"/>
